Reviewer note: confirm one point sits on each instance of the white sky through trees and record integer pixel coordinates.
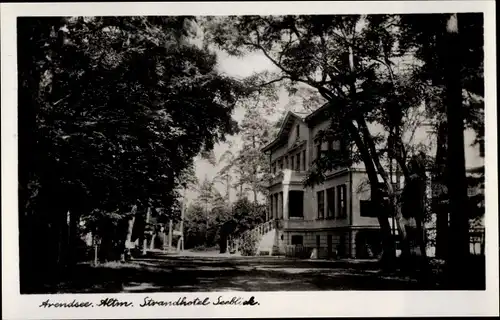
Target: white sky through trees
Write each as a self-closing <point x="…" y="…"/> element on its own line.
<point x="238" y="67"/>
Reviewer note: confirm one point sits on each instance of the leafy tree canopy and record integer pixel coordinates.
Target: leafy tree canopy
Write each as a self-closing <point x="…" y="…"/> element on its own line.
<point x="118" y="108"/>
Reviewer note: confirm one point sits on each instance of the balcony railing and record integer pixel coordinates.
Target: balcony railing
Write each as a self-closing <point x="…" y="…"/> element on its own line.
<point x="258" y="232"/>
<point x="287" y="176"/>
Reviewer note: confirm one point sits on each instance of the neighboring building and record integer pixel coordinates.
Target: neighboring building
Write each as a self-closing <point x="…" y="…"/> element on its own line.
<point x="330" y="219"/>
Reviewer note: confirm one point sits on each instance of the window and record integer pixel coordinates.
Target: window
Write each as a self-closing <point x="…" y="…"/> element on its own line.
<point x="297" y="131"/>
<point x="286" y="162"/>
<point x="296" y="204"/>
<point x="304" y="160"/>
<point x="318" y="242"/>
<point x="330" y="203"/>
<point x="344" y="148"/>
<point x="280" y="164"/>
<point x="318" y="150"/>
<point x="329" y="243"/>
<point x="330" y="145"/>
<point x="297" y="240"/>
<point x="366" y="209"/>
<point x="292" y="166"/>
<point x="321" y="204"/>
<point x="341" y="198"/>
<point x="297" y="162"/>
<point x="274" y="167"/>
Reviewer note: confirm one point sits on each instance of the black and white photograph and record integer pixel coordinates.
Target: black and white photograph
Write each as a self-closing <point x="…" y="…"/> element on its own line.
<point x="237" y="153"/>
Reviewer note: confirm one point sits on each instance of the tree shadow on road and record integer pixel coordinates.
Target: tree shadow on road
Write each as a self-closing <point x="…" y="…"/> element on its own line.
<point x="192" y="274"/>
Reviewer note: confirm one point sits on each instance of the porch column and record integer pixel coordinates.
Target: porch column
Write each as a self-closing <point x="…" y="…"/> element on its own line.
<point x="280" y="205"/>
<point x="276" y="206"/>
<point x="271" y="207"/>
<point x="268" y="211"/>
<point x="286" y="189"/>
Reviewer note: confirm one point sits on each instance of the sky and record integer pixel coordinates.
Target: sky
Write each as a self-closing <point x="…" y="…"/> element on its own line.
<point x="238" y="67"/>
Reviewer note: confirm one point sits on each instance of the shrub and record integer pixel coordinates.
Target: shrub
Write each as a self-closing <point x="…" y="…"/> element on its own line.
<point x="248" y="244"/>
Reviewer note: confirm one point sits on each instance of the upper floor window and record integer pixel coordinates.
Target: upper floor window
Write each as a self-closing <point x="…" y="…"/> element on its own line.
<point x="344" y="148"/>
<point x="280" y="164"/>
<point x="321" y="204"/>
<point x="297" y="131"/>
<point x="292" y="164"/>
<point x="318" y="150"/>
<point x="286" y="162"/>
<point x="304" y="160"/>
<point x="297" y="163"/>
<point x="341" y="201"/>
<point x="366" y="209"/>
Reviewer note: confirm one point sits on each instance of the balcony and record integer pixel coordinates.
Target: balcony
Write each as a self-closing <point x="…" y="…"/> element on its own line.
<point x="287" y="176"/>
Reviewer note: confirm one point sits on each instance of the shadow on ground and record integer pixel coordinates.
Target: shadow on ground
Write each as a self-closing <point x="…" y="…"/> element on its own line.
<point x="162" y="273"/>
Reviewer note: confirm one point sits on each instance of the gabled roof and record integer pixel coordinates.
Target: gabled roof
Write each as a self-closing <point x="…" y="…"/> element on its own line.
<point x="285" y="128"/>
<point x="311" y="116"/>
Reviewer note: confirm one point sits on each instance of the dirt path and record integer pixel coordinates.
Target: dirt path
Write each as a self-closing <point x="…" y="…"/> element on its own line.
<point x="215" y="272"/>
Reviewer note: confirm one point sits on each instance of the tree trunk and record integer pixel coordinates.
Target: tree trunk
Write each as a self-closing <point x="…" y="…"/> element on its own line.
<point x="389" y="252"/>
<point x="170" y="230"/>
<point x="394" y="203"/>
<point x="364" y="142"/>
<point x="457" y="185"/>
<point x="145" y="238"/>
<point x="439" y="193"/>
<point x="73" y="237"/>
<point x="128" y="237"/>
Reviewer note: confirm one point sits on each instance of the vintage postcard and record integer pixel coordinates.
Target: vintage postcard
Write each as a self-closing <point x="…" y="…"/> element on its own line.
<point x="253" y="159"/>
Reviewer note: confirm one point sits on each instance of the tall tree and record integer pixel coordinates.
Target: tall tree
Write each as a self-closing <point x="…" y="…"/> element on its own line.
<point x="451" y="48"/>
<point x="253" y="164"/>
<point x="114" y="109"/>
<point x="457" y="184"/>
<point x="350" y="61"/>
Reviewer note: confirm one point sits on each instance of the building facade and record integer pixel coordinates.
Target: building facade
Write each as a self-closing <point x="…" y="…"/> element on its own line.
<point x="330" y="219"/>
<point x="334" y="218"/>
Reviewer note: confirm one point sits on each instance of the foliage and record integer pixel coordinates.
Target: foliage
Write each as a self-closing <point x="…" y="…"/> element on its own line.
<point x="112" y="112"/>
<point x="424" y="35"/>
<point x="204" y="223"/>
<point x="125" y="106"/>
<point x="251" y="162"/>
<point x="247" y="215"/>
<point x="248" y="244"/>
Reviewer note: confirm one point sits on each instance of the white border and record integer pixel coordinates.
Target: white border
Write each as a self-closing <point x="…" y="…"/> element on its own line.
<point x="272" y="304"/>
